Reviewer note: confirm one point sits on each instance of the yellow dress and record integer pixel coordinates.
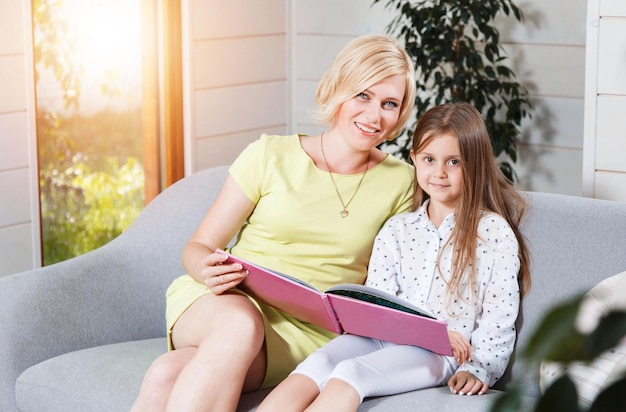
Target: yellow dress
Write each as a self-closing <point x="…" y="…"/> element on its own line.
<point x="296" y="228"/>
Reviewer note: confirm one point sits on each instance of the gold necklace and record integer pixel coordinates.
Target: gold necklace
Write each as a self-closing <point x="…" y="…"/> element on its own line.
<point x="344" y="212"/>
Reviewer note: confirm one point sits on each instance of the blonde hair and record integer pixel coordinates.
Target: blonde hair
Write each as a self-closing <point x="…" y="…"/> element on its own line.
<point x="363" y="62"/>
<point x="484" y="188"/>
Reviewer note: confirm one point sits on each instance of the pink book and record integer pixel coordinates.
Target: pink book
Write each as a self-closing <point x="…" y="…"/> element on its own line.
<point x="347" y="308"/>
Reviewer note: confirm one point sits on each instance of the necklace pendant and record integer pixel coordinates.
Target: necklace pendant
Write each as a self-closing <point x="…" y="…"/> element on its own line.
<point x="344" y="213"/>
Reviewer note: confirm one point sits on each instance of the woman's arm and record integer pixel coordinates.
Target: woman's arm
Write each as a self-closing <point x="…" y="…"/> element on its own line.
<point x="225" y="217"/>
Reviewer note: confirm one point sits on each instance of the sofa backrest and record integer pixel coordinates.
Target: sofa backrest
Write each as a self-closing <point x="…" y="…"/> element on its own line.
<point x="575" y="243"/>
<point x="164" y="227"/>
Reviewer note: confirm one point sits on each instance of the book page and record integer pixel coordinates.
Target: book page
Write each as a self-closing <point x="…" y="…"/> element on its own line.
<point x="380" y="322"/>
<point x="378" y="297"/>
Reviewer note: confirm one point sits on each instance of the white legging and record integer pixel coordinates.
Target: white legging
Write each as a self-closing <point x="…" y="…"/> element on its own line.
<point x="375" y="368"/>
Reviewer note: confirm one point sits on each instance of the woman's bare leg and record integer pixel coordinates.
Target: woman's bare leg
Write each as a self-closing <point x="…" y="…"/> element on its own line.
<point x="220" y="339"/>
<point x="160" y="379"/>
<point x="293" y="394"/>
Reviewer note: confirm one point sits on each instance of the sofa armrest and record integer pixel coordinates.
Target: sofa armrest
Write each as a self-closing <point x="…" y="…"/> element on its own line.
<point x="113" y="294"/>
<point x="91" y="300"/>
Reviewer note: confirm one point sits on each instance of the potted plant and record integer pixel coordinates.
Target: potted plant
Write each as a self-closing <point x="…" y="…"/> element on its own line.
<point x="457" y="55"/>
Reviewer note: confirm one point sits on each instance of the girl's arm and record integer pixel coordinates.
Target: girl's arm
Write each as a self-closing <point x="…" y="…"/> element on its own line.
<point x="493" y="337"/>
<point x="384" y="264"/>
<point x="461" y="348"/>
<point x="464" y="383"/>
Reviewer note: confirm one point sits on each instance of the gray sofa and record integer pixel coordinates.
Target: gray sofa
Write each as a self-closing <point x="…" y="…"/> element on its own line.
<point x="79" y="335"/>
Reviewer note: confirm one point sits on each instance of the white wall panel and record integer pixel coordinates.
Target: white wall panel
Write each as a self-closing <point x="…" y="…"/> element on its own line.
<point x="550" y="169"/>
<point x="13" y="141"/>
<point x="611" y="186"/>
<point x="15" y="249"/>
<point x="234" y="61"/>
<point x="231" y="109"/>
<point x="222" y="150"/>
<point x="546" y="22"/>
<point x="549" y="70"/>
<point x="604" y="168"/>
<point x="556" y="121"/>
<point x="305" y="103"/>
<point x="15" y="204"/>
<point x="19" y="237"/>
<point x="11" y="27"/>
<point x="340" y="17"/>
<point x="613" y="8"/>
<point x="612" y="56"/>
<point x="611" y="133"/>
<point x="313" y="54"/>
<point x="12" y="83"/>
<point x="235" y="18"/>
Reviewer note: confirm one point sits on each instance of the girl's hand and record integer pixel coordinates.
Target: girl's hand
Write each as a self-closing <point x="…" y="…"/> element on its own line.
<point x="464" y="383"/>
<point x="461" y="348"/>
<point x="219" y="276"/>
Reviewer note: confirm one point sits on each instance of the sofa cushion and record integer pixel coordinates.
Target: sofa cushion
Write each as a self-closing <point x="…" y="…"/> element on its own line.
<point x="591" y="378"/>
<point x="439" y="398"/>
<point x="74" y="381"/>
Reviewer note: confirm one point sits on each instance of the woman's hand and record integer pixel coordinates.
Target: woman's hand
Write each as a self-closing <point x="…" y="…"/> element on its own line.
<point x="464" y="383"/>
<point x="461" y="348"/>
<point x="219" y="276"/>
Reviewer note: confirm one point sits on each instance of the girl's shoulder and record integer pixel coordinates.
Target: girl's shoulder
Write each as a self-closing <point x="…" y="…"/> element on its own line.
<point x="407" y="218"/>
<point x="493" y="217"/>
<point x="494" y="228"/>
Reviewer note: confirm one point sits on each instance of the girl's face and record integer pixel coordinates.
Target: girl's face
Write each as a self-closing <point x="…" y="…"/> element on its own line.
<point x="368" y="118"/>
<point x="439" y="172"/>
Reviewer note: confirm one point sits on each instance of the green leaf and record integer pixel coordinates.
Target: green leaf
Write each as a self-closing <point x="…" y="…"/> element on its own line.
<point x="556" y="337"/>
<point x="611" y="399"/>
<point x="509" y="401"/>
<point x="560" y="396"/>
<point x="608" y="333"/>
<point x="450" y="42"/>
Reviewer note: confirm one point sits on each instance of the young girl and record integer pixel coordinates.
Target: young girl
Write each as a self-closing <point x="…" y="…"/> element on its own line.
<point x="458" y="256"/>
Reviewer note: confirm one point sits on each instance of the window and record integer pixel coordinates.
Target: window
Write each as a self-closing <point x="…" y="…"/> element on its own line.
<point x="109" y="116"/>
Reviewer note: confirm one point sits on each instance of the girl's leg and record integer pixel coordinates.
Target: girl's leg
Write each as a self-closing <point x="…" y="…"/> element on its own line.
<point x="293" y="394"/>
<point x="222" y="341"/>
<point x="337" y="396"/>
<point x="300" y="388"/>
<point x="394" y="369"/>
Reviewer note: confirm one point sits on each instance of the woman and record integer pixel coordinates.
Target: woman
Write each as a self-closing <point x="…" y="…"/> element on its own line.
<point x="308" y="206"/>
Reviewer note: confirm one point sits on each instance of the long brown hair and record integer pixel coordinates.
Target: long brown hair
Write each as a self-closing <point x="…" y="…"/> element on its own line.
<point x="485" y="188"/>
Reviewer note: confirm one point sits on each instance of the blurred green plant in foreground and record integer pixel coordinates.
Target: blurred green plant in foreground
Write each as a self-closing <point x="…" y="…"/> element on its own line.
<point x="558" y="339"/>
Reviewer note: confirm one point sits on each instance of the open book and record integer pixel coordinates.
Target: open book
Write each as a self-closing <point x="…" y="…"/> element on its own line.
<point x="347" y="308"/>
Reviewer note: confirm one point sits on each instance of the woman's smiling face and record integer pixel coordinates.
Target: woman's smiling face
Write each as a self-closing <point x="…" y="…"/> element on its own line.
<point x="368" y="118"/>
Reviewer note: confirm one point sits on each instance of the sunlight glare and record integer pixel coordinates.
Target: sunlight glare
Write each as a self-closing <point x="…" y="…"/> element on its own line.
<point x="108" y="37"/>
